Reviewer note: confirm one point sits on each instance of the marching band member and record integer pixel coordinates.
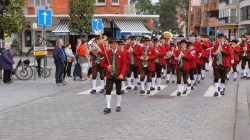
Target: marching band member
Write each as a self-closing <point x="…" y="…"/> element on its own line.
<point x="167" y="36"/>
<point x="97" y="53"/>
<point x="147" y="55"/>
<point x="171" y="64"/>
<point x="245" y="48"/>
<point x="198" y="60"/>
<point x="133" y="48"/>
<point x="115" y="63"/>
<point x="159" y="63"/>
<point x="236" y="51"/>
<point x="192" y="64"/>
<point x="121" y="45"/>
<point x="221" y="62"/>
<point x="183" y="56"/>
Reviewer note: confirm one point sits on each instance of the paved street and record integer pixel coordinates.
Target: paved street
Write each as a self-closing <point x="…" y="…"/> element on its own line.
<point x="41" y="110"/>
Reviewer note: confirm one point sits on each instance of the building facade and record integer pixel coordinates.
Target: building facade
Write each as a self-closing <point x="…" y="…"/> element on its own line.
<point x="244" y="16"/>
<point x="194" y="17"/>
<point x="117" y="15"/>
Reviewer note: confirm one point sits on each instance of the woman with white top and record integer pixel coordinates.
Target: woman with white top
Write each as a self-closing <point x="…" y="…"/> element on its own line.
<point x="70" y="59"/>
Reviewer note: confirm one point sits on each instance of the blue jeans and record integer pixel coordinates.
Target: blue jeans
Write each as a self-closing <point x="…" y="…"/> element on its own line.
<point x="59" y="72"/>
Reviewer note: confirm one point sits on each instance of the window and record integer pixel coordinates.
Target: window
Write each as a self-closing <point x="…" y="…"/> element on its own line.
<point x="100" y="2"/>
<point x="248" y="12"/>
<point x="39" y="2"/>
<point x="115" y="2"/>
<point x="245" y="13"/>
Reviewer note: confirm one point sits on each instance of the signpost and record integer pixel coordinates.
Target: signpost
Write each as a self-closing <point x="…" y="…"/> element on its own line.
<point x="97" y="24"/>
<point x="44" y="18"/>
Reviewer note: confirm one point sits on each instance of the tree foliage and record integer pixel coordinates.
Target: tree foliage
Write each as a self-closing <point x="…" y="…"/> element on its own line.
<point x="81" y="13"/>
<point x="167" y="9"/>
<point x="12" y="17"/>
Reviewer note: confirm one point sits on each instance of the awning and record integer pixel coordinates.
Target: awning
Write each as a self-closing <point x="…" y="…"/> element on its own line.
<point x="131" y="26"/>
<point x="62" y="28"/>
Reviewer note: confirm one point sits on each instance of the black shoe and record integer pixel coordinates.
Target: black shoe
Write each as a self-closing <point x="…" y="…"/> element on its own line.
<point x="93" y="91"/>
<point x="107" y="110"/>
<point x="207" y="70"/>
<point x="195" y="84"/>
<point x="234" y="79"/>
<point x="142" y="92"/>
<point x="216" y="94"/>
<point x="118" y="109"/>
<point x="184" y="92"/>
<point x="202" y="78"/>
<point x="132" y="80"/>
<point x="128" y="88"/>
<point x="243" y="77"/>
<point x="198" y="81"/>
<point x="69" y="76"/>
<point x="222" y="93"/>
<point x="163" y="77"/>
<point x="102" y="91"/>
<point x="173" y="82"/>
<point x="192" y="87"/>
<point x="152" y="88"/>
<point x="139" y="83"/>
<point x="135" y="88"/>
<point x="148" y="92"/>
<point x="159" y="88"/>
<point x="123" y="92"/>
<point x="189" y="85"/>
<point x="167" y="82"/>
<point x="178" y="93"/>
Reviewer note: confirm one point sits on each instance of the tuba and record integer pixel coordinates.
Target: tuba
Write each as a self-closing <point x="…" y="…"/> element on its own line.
<point x="93" y="48"/>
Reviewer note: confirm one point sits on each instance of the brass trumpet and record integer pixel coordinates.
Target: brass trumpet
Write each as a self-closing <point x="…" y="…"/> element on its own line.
<point x="144" y="62"/>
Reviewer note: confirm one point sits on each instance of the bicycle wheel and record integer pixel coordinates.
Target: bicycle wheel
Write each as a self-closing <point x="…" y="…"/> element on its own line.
<point x="45" y="74"/>
<point x="23" y="72"/>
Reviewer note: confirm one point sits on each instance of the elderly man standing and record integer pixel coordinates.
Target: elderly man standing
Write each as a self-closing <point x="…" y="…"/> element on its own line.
<point x="60" y="61"/>
<point x="6" y="63"/>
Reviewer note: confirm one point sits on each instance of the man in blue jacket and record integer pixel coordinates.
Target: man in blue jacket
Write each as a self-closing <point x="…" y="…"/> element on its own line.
<point x="60" y="61"/>
<point x="6" y="63"/>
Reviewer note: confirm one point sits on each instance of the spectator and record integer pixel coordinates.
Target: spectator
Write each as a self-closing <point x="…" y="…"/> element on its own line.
<point x="6" y="63"/>
<point x="83" y="59"/>
<point x="70" y="59"/>
<point x="60" y="59"/>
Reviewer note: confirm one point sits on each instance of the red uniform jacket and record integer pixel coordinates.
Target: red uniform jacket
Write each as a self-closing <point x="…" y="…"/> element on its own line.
<point x="128" y="59"/>
<point x="236" y="51"/>
<point x="135" y="53"/>
<point x="186" y="59"/>
<point x="192" y="60"/>
<point x="161" y="54"/>
<point x="121" y="63"/>
<point x="101" y="53"/>
<point x="198" y="50"/>
<point x="205" y="46"/>
<point x="167" y="49"/>
<point x="226" y="54"/>
<point x="151" y="57"/>
<point x="242" y="45"/>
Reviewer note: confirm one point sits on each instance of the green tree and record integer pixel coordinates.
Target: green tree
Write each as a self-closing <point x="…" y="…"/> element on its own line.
<point x="12" y="17"/>
<point x="81" y="13"/>
<point x="169" y="11"/>
<point x="143" y="6"/>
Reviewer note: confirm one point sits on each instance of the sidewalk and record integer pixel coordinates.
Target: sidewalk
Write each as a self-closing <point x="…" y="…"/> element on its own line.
<point x="242" y="126"/>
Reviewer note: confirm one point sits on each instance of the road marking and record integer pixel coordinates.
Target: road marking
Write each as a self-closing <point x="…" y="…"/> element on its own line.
<point x="87" y="92"/>
<point x="210" y="92"/>
<point x="154" y="92"/>
<point x="175" y="92"/>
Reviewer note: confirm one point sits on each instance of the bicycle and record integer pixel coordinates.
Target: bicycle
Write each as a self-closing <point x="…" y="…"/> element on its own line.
<point x="22" y="70"/>
<point x="45" y="74"/>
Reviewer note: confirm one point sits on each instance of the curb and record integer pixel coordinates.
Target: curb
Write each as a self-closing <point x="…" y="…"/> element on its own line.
<point x="242" y="126"/>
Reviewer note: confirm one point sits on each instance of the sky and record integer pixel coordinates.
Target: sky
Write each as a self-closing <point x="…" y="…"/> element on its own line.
<point x="154" y="1"/>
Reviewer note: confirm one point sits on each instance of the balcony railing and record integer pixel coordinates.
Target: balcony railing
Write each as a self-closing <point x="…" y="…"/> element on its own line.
<point x="209" y="22"/>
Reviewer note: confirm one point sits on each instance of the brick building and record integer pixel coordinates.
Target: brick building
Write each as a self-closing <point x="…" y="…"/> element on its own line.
<point x="118" y="16"/>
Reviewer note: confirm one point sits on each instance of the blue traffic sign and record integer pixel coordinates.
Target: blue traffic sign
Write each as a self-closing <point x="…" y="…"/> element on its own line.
<point x="96" y="24"/>
<point x="44" y="17"/>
